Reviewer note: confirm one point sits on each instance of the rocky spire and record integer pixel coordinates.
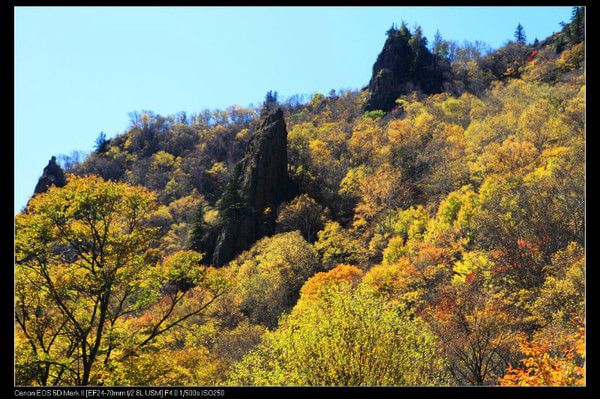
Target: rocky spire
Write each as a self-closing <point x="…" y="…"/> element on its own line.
<point x="258" y="186"/>
<point x="53" y="175"/>
<point x="405" y="64"/>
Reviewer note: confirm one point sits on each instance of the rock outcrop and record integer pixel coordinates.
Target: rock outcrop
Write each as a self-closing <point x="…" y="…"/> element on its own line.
<point x="405" y="64"/>
<point x="53" y="175"/>
<point x="258" y="186"/>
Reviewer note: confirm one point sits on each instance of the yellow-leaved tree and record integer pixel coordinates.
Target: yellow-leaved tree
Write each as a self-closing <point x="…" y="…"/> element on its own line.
<point x="340" y="334"/>
<point x="81" y="269"/>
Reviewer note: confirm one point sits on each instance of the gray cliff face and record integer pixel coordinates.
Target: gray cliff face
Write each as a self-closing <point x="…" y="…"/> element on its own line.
<point x="265" y="181"/>
<point x="263" y="184"/>
<point x="53" y="175"/>
<point x="382" y="91"/>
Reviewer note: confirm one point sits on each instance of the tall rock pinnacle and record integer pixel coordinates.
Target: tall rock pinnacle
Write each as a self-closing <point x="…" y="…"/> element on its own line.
<point x="258" y="186"/>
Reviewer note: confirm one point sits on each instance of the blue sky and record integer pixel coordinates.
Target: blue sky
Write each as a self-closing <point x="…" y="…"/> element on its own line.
<point x="82" y="70"/>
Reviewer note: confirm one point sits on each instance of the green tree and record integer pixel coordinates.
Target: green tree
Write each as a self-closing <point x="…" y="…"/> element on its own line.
<point x="231" y="205"/>
<point x="101" y="144"/>
<point x="270" y="101"/>
<point x="440" y="47"/>
<point x="199" y="228"/>
<point x="520" y="34"/>
<point x="575" y="30"/>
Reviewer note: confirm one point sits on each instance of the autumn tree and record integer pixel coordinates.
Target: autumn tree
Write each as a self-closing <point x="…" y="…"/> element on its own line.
<point x="177" y="289"/>
<point x="80" y="256"/>
<point x="541" y="368"/>
<point x="270" y="274"/>
<point x="381" y="190"/>
<point x="335" y="245"/>
<point x="73" y="250"/>
<point x="303" y="214"/>
<point x="348" y="337"/>
<point x="399" y="283"/>
<point x="557" y="308"/>
<point x="477" y="330"/>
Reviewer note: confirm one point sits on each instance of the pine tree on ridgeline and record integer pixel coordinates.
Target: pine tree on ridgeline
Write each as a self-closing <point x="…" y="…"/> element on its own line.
<point x="520" y="36"/>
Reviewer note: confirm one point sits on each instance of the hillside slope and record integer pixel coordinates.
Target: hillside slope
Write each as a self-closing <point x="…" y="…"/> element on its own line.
<point x="406" y="234"/>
